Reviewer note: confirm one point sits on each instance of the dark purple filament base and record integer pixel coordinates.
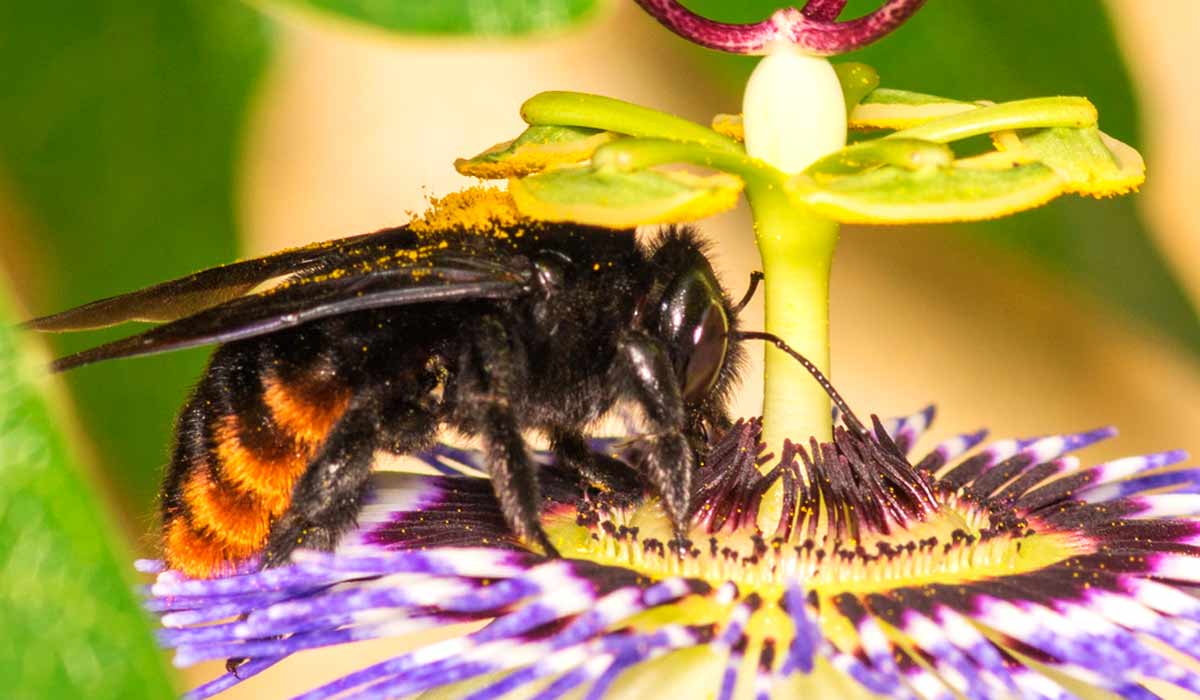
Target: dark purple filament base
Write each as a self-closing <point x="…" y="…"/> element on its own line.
<point x="814" y="29"/>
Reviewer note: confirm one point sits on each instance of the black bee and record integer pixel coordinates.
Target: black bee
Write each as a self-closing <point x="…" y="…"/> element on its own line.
<point x="375" y="342"/>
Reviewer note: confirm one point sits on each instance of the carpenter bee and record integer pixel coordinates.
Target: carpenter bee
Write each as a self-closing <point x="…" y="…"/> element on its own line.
<point x="375" y="342"/>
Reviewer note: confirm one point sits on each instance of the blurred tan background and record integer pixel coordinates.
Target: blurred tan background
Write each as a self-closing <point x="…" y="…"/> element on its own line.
<point x="354" y="130"/>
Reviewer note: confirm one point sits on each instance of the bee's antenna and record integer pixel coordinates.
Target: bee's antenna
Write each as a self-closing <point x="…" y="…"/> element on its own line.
<point x="755" y="278"/>
<point x="848" y="416"/>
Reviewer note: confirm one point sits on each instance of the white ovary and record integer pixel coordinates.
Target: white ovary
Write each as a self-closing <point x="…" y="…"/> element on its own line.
<point x="793" y="110"/>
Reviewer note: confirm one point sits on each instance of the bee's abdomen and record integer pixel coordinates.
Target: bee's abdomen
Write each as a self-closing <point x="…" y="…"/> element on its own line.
<point x="243" y="440"/>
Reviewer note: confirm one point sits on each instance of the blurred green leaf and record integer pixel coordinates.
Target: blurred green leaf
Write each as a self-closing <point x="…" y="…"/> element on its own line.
<point x="991" y="49"/>
<point x="486" y="17"/>
<point x="72" y="628"/>
<point x="119" y="135"/>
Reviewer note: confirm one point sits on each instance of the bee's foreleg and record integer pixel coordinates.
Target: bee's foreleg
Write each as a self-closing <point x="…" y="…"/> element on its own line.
<point x="496" y="370"/>
<point x="572" y="452"/>
<point x="646" y="375"/>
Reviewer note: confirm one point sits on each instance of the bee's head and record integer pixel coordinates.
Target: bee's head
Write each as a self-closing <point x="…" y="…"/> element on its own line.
<point x="689" y="310"/>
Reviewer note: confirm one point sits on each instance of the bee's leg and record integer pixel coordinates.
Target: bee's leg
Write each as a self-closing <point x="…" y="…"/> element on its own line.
<point x="496" y="369"/>
<point x="718" y="421"/>
<point x="327" y="498"/>
<point x="645" y="372"/>
<point x="573" y="452"/>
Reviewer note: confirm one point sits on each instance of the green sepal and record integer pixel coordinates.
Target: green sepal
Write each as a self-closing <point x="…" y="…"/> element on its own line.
<point x="538" y="148"/>
<point x="618" y="199"/>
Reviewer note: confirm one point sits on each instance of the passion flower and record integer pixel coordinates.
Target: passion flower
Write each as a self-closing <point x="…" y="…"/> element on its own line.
<point x="991" y="572"/>
<point x="835" y="566"/>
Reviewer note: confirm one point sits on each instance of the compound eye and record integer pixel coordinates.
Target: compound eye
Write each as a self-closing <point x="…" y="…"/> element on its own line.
<point x="708" y="354"/>
<point x="693" y="322"/>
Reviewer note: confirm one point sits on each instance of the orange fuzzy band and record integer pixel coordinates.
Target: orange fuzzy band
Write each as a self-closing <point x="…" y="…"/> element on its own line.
<point x="268" y="480"/>
<point x="235" y="518"/>
<point x="197" y="554"/>
<point x="306" y="411"/>
<point x="230" y="518"/>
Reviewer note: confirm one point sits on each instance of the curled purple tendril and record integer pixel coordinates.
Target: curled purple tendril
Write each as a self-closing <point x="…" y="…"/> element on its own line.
<point x="814" y="29"/>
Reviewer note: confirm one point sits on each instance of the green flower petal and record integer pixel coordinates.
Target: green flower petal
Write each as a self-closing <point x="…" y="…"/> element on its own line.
<point x="616" y="199"/>
<point x="537" y="148"/>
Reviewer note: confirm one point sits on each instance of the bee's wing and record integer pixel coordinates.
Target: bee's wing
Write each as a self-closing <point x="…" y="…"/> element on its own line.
<point x="185" y="296"/>
<point x="304" y="300"/>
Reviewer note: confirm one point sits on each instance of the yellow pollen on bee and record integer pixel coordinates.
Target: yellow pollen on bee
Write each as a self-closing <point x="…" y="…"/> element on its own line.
<point x="482" y="210"/>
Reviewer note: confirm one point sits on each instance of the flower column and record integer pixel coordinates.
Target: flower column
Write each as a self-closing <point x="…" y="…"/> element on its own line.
<point x="793" y="114"/>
